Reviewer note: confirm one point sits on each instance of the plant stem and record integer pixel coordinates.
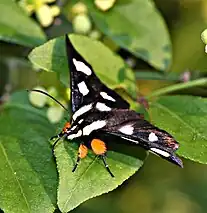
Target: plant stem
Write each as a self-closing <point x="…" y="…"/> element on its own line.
<point x="157" y="76"/>
<point x="175" y="87"/>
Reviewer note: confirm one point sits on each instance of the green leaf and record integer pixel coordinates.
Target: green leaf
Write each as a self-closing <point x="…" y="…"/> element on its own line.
<point x="17" y="27"/>
<point x="185" y="117"/>
<point x="28" y="177"/>
<point x="109" y="67"/>
<point x="91" y="178"/>
<point x="137" y="26"/>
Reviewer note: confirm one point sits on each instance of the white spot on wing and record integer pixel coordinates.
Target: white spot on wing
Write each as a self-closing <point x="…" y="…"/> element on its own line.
<point x="107" y="97"/>
<point x="102" y="107"/>
<point x="73" y="127"/>
<point x="152" y="137"/>
<point x="93" y="126"/>
<point x="80" y="66"/>
<point x="130" y="140"/>
<point x="81" y="111"/>
<point x="127" y="129"/>
<point x="160" y="152"/>
<point x="83" y="88"/>
<point x="72" y="136"/>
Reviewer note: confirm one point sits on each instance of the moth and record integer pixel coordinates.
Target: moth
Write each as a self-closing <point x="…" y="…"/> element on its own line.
<point x="98" y="110"/>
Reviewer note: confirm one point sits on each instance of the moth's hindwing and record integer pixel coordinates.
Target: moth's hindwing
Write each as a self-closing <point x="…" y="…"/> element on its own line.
<point x="130" y="126"/>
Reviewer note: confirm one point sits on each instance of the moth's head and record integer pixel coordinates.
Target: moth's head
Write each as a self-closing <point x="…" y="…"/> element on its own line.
<point x="72" y="131"/>
<point x="66" y="127"/>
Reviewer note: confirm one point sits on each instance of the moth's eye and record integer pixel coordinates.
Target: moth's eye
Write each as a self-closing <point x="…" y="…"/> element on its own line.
<point x="152" y="137"/>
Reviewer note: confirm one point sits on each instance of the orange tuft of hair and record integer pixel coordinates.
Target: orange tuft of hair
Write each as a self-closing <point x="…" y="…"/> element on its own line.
<point x="66" y="126"/>
<point x="82" y="151"/>
<point x="98" y="146"/>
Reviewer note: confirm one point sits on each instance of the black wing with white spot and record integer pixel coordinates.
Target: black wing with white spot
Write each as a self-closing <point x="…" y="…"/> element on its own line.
<point x="86" y="87"/>
<point x="129" y="125"/>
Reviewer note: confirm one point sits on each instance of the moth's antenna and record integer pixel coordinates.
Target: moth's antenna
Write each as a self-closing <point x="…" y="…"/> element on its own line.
<point x="40" y="91"/>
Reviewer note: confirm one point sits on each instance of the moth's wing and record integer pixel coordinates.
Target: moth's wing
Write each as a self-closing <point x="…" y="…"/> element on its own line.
<point x="139" y="131"/>
<point x="85" y="85"/>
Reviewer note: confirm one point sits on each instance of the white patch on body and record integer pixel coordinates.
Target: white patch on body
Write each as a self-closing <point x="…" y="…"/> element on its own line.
<point x="152" y="137"/>
<point x="102" y="107"/>
<point x="81" y="67"/>
<point x="83" y="88"/>
<point x="160" y="152"/>
<point x="72" y="136"/>
<point x="73" y="128"/>
<point x="127" y="129"/>
<point x="107" y="97"/>
<point x="130" y="140"/>
<point x="81" y="111"/>
<point x="93" y="126"/>
<point x="81" y="120"/>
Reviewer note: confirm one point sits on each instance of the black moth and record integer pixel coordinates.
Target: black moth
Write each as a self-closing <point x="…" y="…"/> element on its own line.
<point x="99" y="110"/>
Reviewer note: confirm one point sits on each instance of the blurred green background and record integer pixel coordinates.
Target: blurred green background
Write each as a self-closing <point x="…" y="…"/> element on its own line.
<point x="159" y="187"/>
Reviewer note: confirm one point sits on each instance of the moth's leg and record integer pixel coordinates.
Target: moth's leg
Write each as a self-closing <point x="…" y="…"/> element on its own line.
<point x="82" y="152"/>
<point x="66" y="126"/>
<point x="103" y="157"/>
<point x="55" y="136"/>
<point x="99" y="148"/>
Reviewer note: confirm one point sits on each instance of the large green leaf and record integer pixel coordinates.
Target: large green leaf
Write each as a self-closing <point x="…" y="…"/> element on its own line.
<point x="110" y="68"/>
<point x="91" y="178"/>
<point x="17" y="27"/>
<point x="28" y="177"/>
<point x="137" y="26"/>
<point x="186" y="118"/>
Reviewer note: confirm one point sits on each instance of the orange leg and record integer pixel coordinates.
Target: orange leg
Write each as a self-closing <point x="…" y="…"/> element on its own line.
<point x="82" y="152"/>
<point x="99" y="148"/>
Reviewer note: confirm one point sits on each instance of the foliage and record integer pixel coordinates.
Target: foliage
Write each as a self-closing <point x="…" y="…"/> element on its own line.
<point x="29" y="172"/>
<point x="124" y="25"/>
<point x="20" y="28"/>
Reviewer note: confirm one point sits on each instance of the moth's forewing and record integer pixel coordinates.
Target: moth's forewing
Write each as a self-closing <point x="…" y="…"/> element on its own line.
<point x="85" y="86"/>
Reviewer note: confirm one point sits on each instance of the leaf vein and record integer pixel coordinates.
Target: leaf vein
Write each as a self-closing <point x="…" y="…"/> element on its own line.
<point x="196" y="132"/>
<point x="73" y="189"/>
<point x="10" y="166"/>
